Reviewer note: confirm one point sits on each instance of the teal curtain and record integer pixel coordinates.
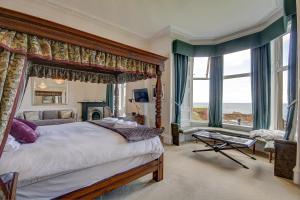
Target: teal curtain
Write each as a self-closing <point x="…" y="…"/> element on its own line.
<point x="181" y="69"/>
<point x="292" y="77"/>
<point x="289" y="7"/>
<point x="261" y="86"/>
<point x="110" y="96"/>
<point x="215" y="91"/>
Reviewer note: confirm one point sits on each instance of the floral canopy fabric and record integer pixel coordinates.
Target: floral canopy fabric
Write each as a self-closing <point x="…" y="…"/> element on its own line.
<point x="17" y="48"/>
<point x="35" y="47"/>
<point x="11" y="69"/>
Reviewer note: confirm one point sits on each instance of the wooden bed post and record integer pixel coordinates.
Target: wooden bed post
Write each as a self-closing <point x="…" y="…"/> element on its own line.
<point x="158" y="175"/>
<point x="116" y="112"/>
<point x="158" y="88"/>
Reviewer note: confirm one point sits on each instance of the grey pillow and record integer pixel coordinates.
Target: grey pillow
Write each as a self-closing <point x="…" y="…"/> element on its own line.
<point x="50" y="114"/>
<point x="32" y="115"/>
<point x="65" y="114"/>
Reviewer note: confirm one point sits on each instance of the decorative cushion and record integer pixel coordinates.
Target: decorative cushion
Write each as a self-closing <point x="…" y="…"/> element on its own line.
<point x="31" y="115"/>
<point x="23" y="133"/>
<point x="28" y="123"/>
<point x="269" y="147"/>
<point x="267" y="135"/>
<point x="50" y="114"/>
<point x="65" y="114"/>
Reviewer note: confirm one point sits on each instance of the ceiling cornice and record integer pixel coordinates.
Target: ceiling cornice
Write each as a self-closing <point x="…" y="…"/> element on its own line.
<point x="78" y="13"/>
<point x="267" y="21"/>
<point x="176" y="32"/>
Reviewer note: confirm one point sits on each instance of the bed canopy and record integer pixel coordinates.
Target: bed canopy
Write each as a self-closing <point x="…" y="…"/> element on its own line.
<point x="31" y="46"/>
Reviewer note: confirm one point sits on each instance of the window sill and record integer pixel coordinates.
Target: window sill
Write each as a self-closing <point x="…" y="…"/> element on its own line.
<point x="227" y="128"/>
<point x="237" y="127"/>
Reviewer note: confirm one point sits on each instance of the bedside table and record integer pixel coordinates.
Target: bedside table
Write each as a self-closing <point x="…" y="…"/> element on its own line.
<point x="8" y="185"/>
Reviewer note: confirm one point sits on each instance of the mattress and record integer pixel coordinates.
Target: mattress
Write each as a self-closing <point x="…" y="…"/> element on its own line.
<point x="58" y="185"/>
<point x="67" y="149"/>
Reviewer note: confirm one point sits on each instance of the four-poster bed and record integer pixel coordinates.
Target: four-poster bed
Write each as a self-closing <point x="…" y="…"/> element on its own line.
<point x="30" y="46"/>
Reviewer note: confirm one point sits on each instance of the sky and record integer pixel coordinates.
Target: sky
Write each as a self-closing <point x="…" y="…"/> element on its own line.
<point x="237" y="90"/>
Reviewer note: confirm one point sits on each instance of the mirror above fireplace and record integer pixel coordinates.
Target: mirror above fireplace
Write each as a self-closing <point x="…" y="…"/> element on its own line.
<point x="49" y="91"/>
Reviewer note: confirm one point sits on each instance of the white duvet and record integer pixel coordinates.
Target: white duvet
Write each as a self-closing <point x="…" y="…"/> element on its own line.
<point x="74" y="146"/>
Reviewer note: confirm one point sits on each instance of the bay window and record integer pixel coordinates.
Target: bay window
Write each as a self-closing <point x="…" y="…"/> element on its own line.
<point x="237" y="97"/>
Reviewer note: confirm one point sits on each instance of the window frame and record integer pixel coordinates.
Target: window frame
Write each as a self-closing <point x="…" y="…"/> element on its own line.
<point x="122" y="99"/>
<point x="225" y="125"/>
<point x="277" y="121"/>
<point x="195" y="122"/>
<point x="233" y="126"/>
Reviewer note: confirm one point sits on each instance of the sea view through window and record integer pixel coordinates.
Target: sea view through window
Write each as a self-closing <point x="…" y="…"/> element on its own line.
<point x="237" y="106"/>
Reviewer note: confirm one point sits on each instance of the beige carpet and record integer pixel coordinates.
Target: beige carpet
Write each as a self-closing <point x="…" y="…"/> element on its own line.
<point x="209" y="176"/>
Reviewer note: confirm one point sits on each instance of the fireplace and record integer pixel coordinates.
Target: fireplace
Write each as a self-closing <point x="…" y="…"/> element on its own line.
<point x="92" y="110"/>
<point x="95" y="113"/>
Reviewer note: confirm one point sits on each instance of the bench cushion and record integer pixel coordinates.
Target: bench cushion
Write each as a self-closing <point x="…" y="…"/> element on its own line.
<point x="32" y="115"/>
<point x="190" y="130"/>
<point x="50" y="114"/>
<point x="269" y="147"/>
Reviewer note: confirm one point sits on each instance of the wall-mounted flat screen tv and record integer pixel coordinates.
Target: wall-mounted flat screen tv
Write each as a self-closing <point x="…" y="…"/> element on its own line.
<point x="141" y="95"/>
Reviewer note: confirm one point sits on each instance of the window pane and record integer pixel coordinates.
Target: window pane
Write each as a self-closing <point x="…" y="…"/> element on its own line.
<point x="200" y="67"/>
<point x="200" y="100"/>
<point x="284" y="94"/>
<point x="237" y="63"/>
<point x="285" y="49"/>
<point x="237" y="107"/>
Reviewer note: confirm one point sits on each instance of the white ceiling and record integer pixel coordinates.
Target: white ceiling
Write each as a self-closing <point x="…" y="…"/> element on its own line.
<point x="195" y="19"/>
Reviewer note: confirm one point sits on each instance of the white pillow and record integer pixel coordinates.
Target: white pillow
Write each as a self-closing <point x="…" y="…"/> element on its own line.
<point x="110" y="119"/>
<point x="125" y="124"/>
<point x="267" y="134"/>
<point x="11" y="144"/>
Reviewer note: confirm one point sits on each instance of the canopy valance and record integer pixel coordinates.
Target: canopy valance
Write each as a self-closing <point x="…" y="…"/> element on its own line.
<point x="54" y="72"/>
<point x="39" y="48"/>
<point x="46" y="71"/>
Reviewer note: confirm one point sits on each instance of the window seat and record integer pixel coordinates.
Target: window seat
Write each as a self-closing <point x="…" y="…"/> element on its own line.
<point x="188" y="130"/>
<point x="179" y="134"/>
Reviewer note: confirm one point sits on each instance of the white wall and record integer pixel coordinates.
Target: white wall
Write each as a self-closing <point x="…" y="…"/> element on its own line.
<point x="297" y="167"/>
<point x="77" y="91"/>
<point x="143" y="107"/>
<point x="163" y="46"/>
<point x="51" y="12"/>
